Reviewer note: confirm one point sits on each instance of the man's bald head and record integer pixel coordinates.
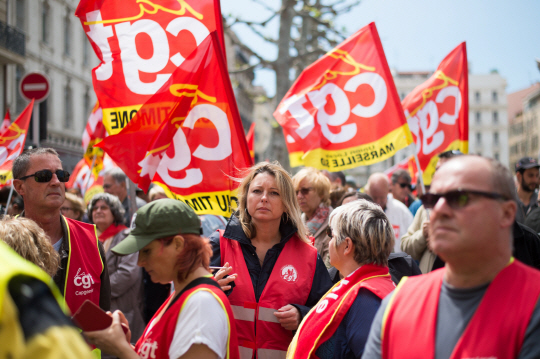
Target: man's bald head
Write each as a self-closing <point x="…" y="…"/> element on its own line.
<point x="378" y="187"/>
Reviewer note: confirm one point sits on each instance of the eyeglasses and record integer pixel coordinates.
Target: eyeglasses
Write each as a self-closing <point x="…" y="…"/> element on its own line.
<point x="304" y="191"/>
<point x="403" y="185"/>
<point x="457" y="199"/>
<point x="46" y="175"/>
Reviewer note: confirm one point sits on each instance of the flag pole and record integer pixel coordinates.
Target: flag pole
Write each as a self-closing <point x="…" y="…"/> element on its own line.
<point x="90" y="174"/>
<point x="9" y="198"/>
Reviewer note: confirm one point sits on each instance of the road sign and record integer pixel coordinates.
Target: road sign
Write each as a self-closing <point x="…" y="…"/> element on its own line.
<point x="35" y="85"/>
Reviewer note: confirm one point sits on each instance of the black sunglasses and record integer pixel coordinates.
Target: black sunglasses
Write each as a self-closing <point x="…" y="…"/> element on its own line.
<point x="46" y="176"/>
<point x="456" y="199"/>
<point x="304" y="191"/>
<point x="403" y="185"/>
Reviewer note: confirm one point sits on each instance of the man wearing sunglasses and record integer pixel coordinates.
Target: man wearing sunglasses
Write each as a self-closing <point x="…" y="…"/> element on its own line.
<point x="40" y="180"/>
<point x="483" y="303"/>
<point x="401" y="186"/>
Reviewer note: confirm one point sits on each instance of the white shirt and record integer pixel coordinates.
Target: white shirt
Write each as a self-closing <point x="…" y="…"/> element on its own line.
<point x="400" y="217"/>
<point x="201" y="321"/>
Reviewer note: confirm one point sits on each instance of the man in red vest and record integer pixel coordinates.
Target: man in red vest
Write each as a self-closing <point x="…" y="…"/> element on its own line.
<point x="483" y="303"/>
<point x="40" y="179"/>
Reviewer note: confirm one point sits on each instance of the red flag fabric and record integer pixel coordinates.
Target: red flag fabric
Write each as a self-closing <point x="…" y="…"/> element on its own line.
<point x="12" y="144"/>
<point x="140" y="44"/>
<point x="6" y="122"/>
<point x="87" y="181"/>
<point x="196" y="151"/>
<point x="94" y="133"/>
<point x="250" y="138"/>
<point x="343" y="111"/>
<point x="438" y="111"/>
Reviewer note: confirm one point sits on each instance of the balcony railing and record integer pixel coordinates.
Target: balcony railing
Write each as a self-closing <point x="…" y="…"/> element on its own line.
<point x="12" y="39"/>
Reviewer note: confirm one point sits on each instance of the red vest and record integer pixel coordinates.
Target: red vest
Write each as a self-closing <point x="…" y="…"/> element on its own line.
<point x="323" y="320"/>
<point x="84" y="264"/>
<point x="496" y="329"/>
<point x="155" y="342"/>
<point x="289" y="283"/>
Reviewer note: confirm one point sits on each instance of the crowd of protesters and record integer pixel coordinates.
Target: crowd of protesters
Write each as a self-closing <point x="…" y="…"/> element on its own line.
<point x="306" y="267"/>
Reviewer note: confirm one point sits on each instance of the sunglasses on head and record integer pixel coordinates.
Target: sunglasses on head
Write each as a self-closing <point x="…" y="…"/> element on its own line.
<point x="46" y="176"/>
<point x="456" y="199"/>
<point x="304" y="191"/>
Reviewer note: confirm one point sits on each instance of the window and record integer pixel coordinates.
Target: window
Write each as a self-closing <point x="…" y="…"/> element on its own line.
<point x="86" y="45"/>
<point x="478" y="116"/>
<point x="478" y="137"/>
<point x="68" y="105"/>
<point x="87" y="102"/>
<point x="495" y="117"/>
<point x="20" y="102"/>
<point x="496" y="138"/>
<point x="45" y="22"/>
<point x="477" y="96"/>
<point x="494" y="96"/>
<point x="496" y="156"/>
<point x="67" y="34"/>
<point x="20" y="18"/>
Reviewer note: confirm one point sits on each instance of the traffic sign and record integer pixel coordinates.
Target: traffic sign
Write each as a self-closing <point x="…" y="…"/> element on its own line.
<point x="36" y="86"/>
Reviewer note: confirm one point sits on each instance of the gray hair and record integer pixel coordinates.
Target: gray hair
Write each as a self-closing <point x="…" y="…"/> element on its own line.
<point x="117" y="174"/>
<point x="114" y="204"/>
<point x="401" y="174"/>
<point x="22" y="162"/>
<point x="368" y="228"/>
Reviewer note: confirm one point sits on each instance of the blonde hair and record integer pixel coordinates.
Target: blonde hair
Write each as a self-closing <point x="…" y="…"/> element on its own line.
<point x="30" y="242"/>
<point x="318" y="181"/>
<point x="155" y="191"/>
<point x="286" y="192"/>
<point x="77" y="203"/>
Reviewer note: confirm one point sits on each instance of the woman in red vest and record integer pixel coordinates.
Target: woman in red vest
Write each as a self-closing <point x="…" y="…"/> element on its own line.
<point x="274" y="273"/>
<point x="196" y="321"/>
<point x="338" y="327"/>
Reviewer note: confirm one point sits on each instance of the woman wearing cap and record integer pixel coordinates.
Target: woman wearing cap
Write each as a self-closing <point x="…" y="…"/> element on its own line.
<point x="338" y="327"/>
<point x="277" y="273"/>
<point x="196" y="321"/>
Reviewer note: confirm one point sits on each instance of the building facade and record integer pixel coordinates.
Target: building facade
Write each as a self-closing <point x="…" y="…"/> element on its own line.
<point x="56" y="46"/>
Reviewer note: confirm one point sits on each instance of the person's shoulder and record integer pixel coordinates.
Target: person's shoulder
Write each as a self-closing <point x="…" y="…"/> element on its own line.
<point x="400" y="207"/>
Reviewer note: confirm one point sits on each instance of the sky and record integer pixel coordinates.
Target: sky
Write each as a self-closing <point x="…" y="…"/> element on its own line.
<point x="417" y="34"/>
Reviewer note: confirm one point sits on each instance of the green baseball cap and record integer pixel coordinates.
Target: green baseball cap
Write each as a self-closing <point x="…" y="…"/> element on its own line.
<point x="158" y="219"/>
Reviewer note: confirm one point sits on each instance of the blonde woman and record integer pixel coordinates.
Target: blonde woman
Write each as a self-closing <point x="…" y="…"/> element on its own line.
<point x="30" y="242"/>
<point x="277" y="273"/>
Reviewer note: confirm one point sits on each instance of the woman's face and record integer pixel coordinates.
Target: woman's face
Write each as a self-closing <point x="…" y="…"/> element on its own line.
<point x="307" y="197"/>
<point x="102" y="215"/>
<point x="159" y="260"/>
<point x="264" y="200"/>
<point x="68" y="210"/>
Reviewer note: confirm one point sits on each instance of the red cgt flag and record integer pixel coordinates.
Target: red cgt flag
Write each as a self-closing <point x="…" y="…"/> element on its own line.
<point x="12" y="143"/>
<point x="343" y="111"/>
<point x="140" y="44"/>
<point x="195" y="152"/>
<point x="250" y="138"/>
<point x="88" y="181"/>
<point x="6" y="122"/>
<point x="94" y="133"/>
<point x="438" y="111"/>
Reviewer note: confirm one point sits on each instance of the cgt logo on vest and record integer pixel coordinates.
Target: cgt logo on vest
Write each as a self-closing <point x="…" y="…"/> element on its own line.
<point x="84" y="280"/>
<point x="148" y="349"/>
<point x="289" y="273"/>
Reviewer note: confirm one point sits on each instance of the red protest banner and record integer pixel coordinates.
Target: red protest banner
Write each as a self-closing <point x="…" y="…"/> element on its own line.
<point x="250" y="138"/>
<point x="194" y="153"/>
<point x="93" y="133"/>
<point x="12" y="143"/>
<point x="88" y="181"/>
<point x="140" y="44"/>
<point x="438" y="111"/>
<point x="343" y="111"/>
